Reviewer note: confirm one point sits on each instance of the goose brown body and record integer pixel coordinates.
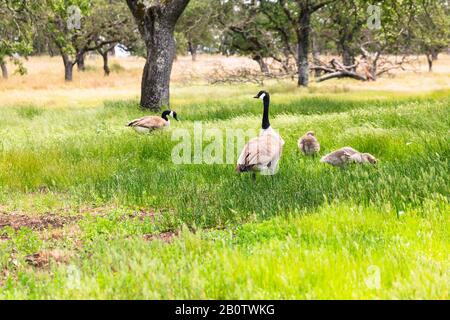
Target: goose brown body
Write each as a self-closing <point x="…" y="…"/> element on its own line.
<point x="262" y="153"/>
<point x="150" y="123"/>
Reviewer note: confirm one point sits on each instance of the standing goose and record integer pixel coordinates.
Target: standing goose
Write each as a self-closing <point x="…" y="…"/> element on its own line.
<point x="347" y="155"/>
<point x="262" y="153"/>
<point x="308" y="144"/>
<point x="150" y="123"/>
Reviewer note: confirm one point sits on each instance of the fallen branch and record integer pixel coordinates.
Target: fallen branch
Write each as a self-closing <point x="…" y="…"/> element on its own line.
<point x="324" y="69"/>
<point x="335" y="69"/>
<point x="341" y="74"/>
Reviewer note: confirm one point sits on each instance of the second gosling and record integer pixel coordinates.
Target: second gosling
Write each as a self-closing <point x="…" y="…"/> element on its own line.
<point x="348" y="155"/>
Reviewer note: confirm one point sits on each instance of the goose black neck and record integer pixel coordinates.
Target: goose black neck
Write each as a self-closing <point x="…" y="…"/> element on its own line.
<point x="265" y="119"/>
<point x="165" y="114"/>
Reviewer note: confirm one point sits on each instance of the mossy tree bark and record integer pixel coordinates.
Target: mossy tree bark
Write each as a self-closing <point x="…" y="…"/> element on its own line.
<point x="156" y="22"/>
<point x="68" y="67"/>
<point x="303" y="31"/>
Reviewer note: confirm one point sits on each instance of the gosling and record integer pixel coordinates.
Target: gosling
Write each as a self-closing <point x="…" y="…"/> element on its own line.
<point x="308" y="144"/>
<point x="346" y="156"/>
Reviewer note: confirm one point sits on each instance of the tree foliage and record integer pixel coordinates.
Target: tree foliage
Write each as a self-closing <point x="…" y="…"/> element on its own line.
<point x="15" y="32"/>
<point x="430" y="27"/>
<point x="292" y="32"/>
<point x="197" y="26"/>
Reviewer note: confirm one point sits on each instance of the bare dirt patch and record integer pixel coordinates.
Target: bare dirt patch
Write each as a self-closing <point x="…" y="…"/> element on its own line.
<point x="4" y="275"/>
<point x="43" y="258"/>
<point x="142" y="215"/>
<point x="51" y="220"/>
<point x="69" y="232"/>
<point x="164" y="236"/>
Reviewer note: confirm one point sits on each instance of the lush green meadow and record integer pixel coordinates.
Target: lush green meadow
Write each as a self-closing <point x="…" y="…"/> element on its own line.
<point x="138" y="226"/>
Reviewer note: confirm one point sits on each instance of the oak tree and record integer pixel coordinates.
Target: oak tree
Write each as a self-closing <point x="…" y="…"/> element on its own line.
<point x="156" y="20"/>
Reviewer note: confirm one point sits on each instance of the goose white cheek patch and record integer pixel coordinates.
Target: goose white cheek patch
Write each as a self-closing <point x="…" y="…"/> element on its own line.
<point x="262" y="96"/>
<point x="171" y="113"/>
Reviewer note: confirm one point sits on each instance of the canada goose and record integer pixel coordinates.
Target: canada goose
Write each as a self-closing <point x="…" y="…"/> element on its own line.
<point x="150" y="123"/>
<point x="308" y="144"/>
<point x="347" y="155"/>
<point x="262" y="153"/>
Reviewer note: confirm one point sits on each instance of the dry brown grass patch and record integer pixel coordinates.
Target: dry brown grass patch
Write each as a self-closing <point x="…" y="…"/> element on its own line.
<point x="44" y="84"/>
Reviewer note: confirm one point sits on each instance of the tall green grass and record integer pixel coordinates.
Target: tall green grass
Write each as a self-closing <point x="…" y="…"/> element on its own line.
<point x="91" y="156"/>
<point x="311" y="231"/>
<point x="326" y="254"/>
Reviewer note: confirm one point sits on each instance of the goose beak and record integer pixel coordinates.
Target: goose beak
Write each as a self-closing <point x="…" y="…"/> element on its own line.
<point x="256" y="97"/>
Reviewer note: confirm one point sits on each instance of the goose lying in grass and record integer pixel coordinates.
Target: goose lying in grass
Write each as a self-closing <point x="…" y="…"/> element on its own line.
<point x="150" y="123"/>
<point x="308" y="144"/>
<point x="262" y="153"/>
<point x="347" y="155"/>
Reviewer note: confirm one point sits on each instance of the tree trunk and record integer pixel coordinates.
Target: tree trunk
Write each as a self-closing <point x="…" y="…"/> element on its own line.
<point x="345" y="39"/>
<point x="156" y="23"/>
<point x="316" y="55"/>
<point x="68" y="67"/>
<point x="430" y="62"/>
<point x="374" y="70"/>
<point x="51" y="53"/>
<point x="285" y="62"/>
<point x="68" y="72"/>
<point x="105" y="63"/>
<point x="348" y="58"/>
<point x="80" y="61"/>
<point x="193" y="50"/>
<point x="262" y="64"/>
<point x="4" y="70"/>
<point x="303" y="48"/>
<point x="112" y="51"/>
<point x="155" y="89"/>
<point x="434" y="54"/>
